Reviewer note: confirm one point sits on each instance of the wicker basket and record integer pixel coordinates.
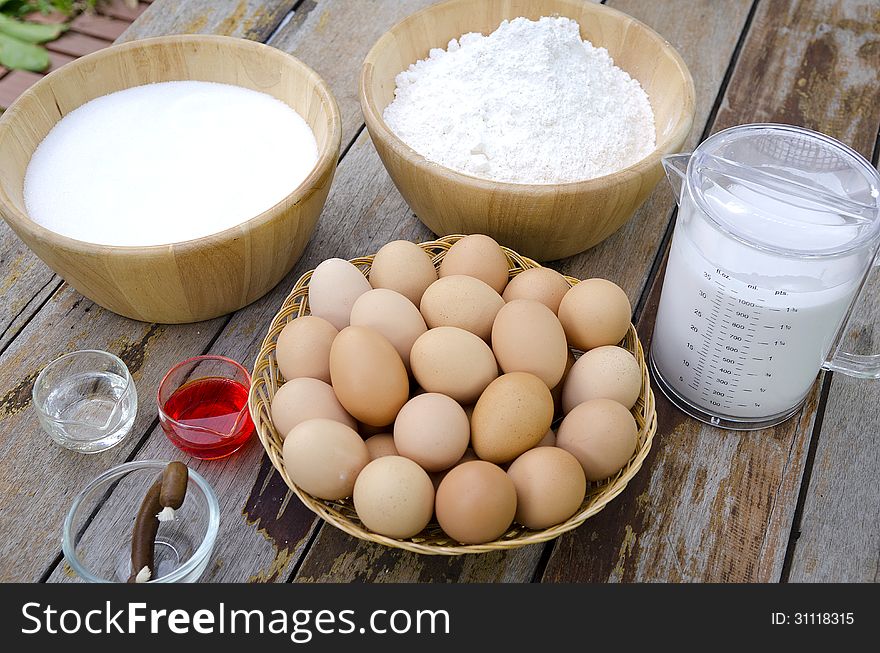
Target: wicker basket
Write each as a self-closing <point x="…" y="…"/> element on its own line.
<point x="267" y="379"/>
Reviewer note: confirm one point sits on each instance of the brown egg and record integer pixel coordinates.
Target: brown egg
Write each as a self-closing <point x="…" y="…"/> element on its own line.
<point x="550" y="486"/>
<point x="608" y="372"/>
<point x="333" y="289"/>
<point x="368" y="376"/>
<point x="541" y="284"/>
<point x="527" y="337"/>
<point x="477" y="256"/>
<point x="303" y="348"/>
<point x="511" y="416"/>
<point x="476" y="502"/>
<point x="305" y="398"/>
<point x="393" y="496"/>
<point x="437" y="477"/>
<point x="549" y="439"/>
<point x="462" y="302"/>
<point x="601" y="434"/>
<point x="595" y="312"/>
<point x="453" y="362"/>
<point x="556" y="391"/>
<point x="433" y="430"/>
<point x="324" y="458"/>
<point x="392" y="315"/>
<point x="404" y="267"/>
<point x="381" y="444"/>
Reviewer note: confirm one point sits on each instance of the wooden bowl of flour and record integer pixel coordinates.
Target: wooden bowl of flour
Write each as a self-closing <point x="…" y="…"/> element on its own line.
<point x="195" y="279"/>
<point x="542" y="221"/>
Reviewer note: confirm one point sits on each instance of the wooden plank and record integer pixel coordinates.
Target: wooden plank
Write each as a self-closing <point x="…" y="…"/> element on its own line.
<point x="838" y="537"/>
<point x="14" y="84"/>
<point x="123" y="10"/>
<point x="26" y="285"/>
<point x="56" y="60"/>
<point x="102" y="27"/>
<point x="250" y="19"/>
<point x="338" y="34"/>
<point x="706" y="38"/>
<point x="47" y="19"/>
<point x="714" y="505"/>
<point x="76" y="45"/>
<point x="69" y="322"/>
<point x="839" y="532"/>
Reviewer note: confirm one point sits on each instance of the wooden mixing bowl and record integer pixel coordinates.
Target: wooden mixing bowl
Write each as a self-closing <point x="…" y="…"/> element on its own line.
<point x="196" y="279"/>
<point x="542" y="221"/>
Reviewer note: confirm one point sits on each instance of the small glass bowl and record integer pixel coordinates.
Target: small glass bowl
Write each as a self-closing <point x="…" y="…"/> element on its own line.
<point x="86" y="400"/>
<point x="96" y="538"/>
<point x="203" y="406"/>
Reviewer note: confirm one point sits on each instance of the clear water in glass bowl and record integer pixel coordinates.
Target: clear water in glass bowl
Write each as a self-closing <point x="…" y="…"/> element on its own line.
<point x="86" y="400"/>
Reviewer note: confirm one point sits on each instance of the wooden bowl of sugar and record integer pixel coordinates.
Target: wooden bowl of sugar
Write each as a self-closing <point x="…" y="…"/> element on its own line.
<point x="546" y="220"/>
<point x="170" y="277"/>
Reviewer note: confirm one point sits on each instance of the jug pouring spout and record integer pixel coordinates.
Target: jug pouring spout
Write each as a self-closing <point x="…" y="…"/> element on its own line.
<point x="675" y="166"/>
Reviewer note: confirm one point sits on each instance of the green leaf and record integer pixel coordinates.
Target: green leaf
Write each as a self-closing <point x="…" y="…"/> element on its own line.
<point x="30" y="32"/>
<point x="21" y="7"/>
<point x="20" y="55"/>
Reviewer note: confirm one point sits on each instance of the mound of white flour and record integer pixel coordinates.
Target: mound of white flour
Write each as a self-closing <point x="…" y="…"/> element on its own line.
<point x="530" y="103"/>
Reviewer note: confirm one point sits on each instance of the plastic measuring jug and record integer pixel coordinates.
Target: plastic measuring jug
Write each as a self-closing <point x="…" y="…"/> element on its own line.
<point x="776" y="233"/>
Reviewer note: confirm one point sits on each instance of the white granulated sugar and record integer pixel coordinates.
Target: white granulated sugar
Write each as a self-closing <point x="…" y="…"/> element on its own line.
<point x="530" y="103"/>
<point x="167" y="162"/>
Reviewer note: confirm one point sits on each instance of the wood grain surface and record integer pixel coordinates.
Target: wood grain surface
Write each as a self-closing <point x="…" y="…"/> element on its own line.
<point x="837" y="538"/>
<point x="250" y="19"/>
<point x="718" y="505"/>
<point x="348" y="30"/>
<point x="25" y="285"/>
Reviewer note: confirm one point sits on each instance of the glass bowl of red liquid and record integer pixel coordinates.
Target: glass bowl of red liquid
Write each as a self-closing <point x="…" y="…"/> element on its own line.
<point x="203" y="406"/>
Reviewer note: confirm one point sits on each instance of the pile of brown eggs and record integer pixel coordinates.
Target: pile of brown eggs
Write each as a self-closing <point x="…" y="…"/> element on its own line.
<point x="422" y="394"/>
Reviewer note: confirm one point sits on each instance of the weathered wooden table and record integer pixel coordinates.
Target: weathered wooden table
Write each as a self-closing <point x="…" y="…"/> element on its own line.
<point x="799" y="502"/>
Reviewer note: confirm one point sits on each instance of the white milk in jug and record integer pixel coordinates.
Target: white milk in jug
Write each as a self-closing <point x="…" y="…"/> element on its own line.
<point x="732" y="339"/>
<point x="742" y="331"/>
<point x="776" y="230"/>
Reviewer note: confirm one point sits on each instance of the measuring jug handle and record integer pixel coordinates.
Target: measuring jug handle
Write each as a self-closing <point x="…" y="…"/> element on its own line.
<point x="865" y="366"/>
<point x="675" y="166"/>
<point x="862" y="366"/>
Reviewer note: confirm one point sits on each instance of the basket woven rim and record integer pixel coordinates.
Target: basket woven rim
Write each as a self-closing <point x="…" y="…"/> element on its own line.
<point x="266" y="378"/>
